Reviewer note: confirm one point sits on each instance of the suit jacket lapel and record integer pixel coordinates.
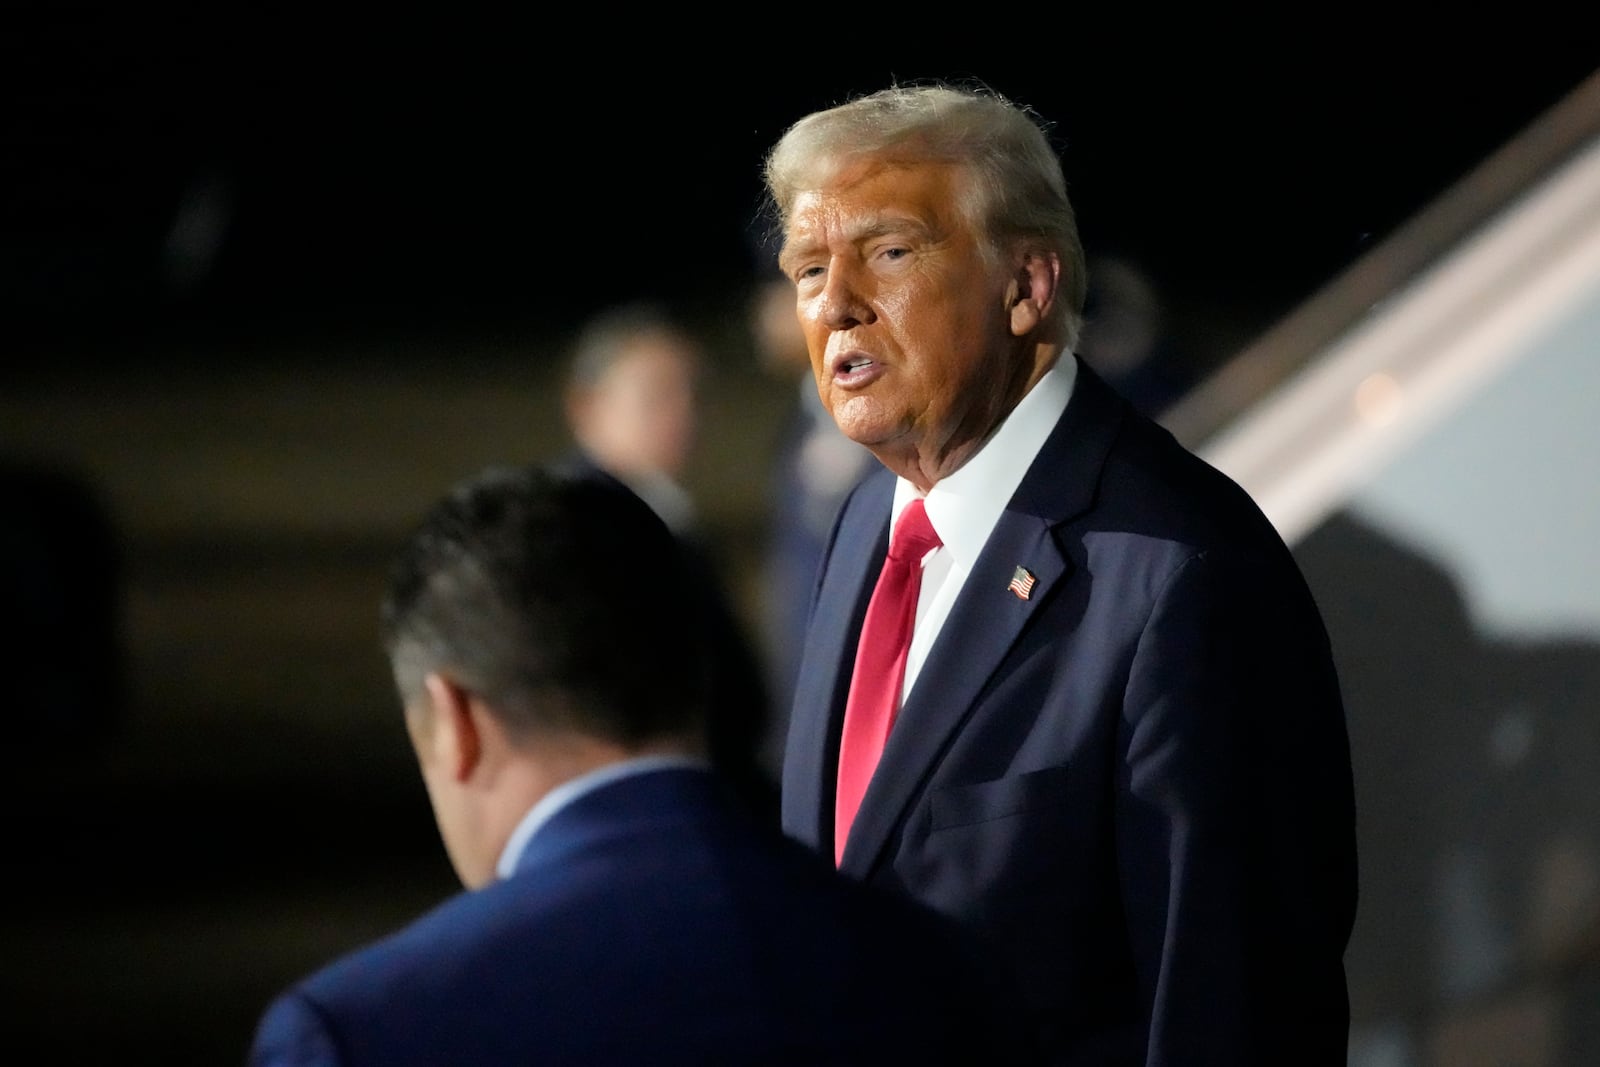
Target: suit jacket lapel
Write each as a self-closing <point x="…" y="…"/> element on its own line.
<point x="987" y="618"/>
<point x="812" y="755"/>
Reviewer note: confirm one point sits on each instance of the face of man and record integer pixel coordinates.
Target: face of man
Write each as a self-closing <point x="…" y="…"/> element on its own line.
<point x="640" y="417"/>
<point x="912" y="339"/>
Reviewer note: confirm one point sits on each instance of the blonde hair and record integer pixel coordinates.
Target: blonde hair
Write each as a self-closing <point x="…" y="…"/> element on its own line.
<point x="1016" y="193"/>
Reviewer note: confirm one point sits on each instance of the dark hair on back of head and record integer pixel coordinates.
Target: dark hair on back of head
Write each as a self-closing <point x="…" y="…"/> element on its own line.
<point x="560" y="599"/>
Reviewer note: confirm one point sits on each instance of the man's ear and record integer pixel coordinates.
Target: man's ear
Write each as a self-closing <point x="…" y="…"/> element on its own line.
<point x="453" y="740"/>
<point x="1032" y="291"/>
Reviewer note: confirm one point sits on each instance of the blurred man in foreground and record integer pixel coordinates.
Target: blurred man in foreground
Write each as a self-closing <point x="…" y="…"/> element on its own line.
<point x="619" y="907"/>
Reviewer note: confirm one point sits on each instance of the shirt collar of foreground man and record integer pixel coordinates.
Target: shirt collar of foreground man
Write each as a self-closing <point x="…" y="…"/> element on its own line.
<point x="569" y="791"/>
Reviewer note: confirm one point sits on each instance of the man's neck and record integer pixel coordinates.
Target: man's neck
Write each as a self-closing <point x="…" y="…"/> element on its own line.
<point x="924" y="466"/>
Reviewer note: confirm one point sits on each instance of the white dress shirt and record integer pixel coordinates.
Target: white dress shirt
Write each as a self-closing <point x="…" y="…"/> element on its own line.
<point x="965" y="505"/>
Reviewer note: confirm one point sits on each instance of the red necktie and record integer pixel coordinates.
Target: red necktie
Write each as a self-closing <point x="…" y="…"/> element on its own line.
<point x="880" y="665"/>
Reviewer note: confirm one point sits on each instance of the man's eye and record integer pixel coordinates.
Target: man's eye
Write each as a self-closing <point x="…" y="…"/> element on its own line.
<point x="896" y="252"/>
<point x="807" y="272"/>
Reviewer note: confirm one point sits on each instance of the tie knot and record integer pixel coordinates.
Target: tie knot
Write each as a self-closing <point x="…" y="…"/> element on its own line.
<point x="913" y="533"/>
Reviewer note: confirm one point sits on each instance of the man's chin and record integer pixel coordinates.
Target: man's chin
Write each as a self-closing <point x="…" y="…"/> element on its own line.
<point x="864" y="420"/>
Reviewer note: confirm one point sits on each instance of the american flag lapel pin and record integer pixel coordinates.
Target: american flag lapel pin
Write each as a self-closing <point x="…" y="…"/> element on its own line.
<point x="1022" y="583"/>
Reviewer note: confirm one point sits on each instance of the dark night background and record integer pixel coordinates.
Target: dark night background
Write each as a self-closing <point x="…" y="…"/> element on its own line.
<point x="321" y="199"/>
<point x="445" y="172"/>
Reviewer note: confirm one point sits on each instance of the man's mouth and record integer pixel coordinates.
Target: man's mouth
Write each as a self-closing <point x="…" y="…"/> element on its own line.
<point x="855" y="368"/>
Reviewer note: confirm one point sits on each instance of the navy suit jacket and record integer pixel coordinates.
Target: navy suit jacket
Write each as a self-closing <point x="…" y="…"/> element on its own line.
<point x="1135" y="782"/>
<point x="651" y="922"/>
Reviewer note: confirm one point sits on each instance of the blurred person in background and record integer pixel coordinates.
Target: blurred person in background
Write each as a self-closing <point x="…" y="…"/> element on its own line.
<point x="632" y="405"/>
<point x="1126" y="336"/>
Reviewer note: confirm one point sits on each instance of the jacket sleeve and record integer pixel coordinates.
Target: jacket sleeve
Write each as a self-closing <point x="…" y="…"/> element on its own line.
<point x="1234" y="826"/>
<point x="293" y="1033"/>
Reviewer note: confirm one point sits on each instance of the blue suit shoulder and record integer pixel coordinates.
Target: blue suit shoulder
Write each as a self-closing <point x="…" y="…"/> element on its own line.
<point x="692" y="934"/>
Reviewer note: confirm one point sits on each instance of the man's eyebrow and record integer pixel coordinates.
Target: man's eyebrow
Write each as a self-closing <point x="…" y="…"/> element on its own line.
<point x="792" y="251"/>
<point x="864" y="230"/>
<point x="887" y="224"/>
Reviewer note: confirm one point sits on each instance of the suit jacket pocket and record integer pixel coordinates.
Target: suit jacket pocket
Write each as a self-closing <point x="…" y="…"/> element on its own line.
<point x="978" y="802"/>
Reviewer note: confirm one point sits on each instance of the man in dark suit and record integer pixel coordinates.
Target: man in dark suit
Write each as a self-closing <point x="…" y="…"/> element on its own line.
<point x="1115" y="744"/>
<point x="620" y="907"/>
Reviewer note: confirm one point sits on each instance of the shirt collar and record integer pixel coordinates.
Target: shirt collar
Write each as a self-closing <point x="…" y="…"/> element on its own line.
<point x="571" y="790"/>
<point x="964" y="506"/>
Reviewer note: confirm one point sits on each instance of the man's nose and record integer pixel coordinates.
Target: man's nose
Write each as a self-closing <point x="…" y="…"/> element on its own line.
<point x="844" y="302"/>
